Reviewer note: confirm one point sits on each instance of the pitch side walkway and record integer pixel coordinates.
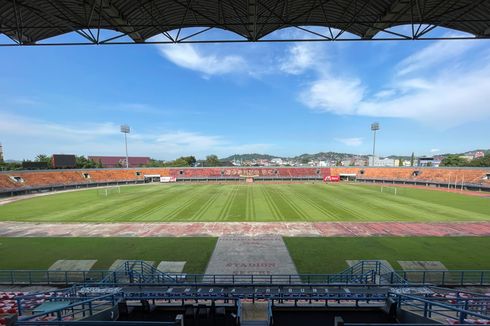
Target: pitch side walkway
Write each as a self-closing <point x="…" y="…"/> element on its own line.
<point x="324" y="229"/>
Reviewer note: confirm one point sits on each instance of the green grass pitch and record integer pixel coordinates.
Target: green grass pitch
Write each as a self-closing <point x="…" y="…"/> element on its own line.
<point x="328" y="255"/>
<point x="245" y="202"/>
<point x="311" y="255"/>
<point x="41" y="253"/>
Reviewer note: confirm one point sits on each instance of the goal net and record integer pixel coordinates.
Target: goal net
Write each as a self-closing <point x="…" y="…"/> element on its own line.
<point x="389" y="190"/>
<point x="105" y="192"/>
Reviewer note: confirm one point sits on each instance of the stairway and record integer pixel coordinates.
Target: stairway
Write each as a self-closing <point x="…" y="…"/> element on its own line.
<point x="255" y="314"/>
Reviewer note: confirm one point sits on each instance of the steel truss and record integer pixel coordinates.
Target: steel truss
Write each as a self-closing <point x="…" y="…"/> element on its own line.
<point x="29" y="22"/>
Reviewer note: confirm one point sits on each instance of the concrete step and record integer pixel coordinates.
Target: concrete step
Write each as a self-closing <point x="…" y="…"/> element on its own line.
<point x="254" y="311"/>
<point x="254" y="323"/>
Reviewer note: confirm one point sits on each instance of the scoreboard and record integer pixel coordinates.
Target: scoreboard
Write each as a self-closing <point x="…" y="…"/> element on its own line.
<point x="64" y="161"/>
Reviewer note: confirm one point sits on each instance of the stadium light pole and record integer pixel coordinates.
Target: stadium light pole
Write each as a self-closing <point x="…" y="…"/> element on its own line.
<point x="125" y="130"/>
<point x="374" y="128"/>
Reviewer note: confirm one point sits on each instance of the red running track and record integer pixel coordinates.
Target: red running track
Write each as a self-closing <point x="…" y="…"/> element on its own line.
<point x="324" y="229"/>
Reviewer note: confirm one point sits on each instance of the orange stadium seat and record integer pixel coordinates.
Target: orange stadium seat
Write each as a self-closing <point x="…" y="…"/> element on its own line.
<point x="37" y="179"/>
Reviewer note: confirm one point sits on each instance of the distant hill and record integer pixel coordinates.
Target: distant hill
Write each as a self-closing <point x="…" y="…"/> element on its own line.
<point x="326" y="156"/>
<point x="322" y="156"/>
<point x="248" y="157"/>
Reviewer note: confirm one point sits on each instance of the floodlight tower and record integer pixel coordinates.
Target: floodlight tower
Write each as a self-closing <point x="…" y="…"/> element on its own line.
<point x="374" y="128"/>
<point x="125" y="130"/>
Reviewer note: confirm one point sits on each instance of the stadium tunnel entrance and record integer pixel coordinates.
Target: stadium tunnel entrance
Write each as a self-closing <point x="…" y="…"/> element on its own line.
<point x="149" y="178"/>
<point x="348" y="176"/>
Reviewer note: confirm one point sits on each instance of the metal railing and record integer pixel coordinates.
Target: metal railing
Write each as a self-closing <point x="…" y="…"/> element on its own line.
<point x="435" y="307"/>
<point x="65" y="278"/>
<point x="78" y="310"/>
<point x="46" y="277"/>
<point x="447" y="277"/>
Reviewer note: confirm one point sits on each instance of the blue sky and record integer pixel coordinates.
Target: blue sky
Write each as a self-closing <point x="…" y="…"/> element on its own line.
<point x="280" y="98"/>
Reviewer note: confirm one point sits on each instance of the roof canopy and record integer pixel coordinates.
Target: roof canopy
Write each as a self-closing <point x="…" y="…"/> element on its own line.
<point x="27" y="22"/>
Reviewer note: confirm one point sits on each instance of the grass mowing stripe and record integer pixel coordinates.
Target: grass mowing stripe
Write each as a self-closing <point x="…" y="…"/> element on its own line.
<point x="41" y="253"/>
<point x="405" y="207"/>
<point x="249" y="207"/>
<point x="204" y="208"/>
<point x="184" y="205"/>
<point x="293" y="205"/>
<point x="224" y="213"/>
<point x="238" y="205"/>
<point x="200" y="197"/>
<point x="249" y="202"/>
<point x="301" y="194"/>
<point x="271" y="204"/>
<point x="151" y="205"/>
<point x="328" y="255"/>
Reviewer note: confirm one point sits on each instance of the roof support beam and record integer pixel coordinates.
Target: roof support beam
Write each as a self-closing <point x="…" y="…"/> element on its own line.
<point x="252" y="19"/>
<point x="26" y="21"/>
<point x="397" y="9"/>
<point x="114" y="17"/>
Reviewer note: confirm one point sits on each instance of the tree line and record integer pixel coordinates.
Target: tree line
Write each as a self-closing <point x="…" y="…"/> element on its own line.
<point x="457" y="160"/>
<point x="212" y="160"/>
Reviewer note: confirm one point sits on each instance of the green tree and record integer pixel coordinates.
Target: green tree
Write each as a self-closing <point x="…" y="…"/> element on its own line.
<point x="179" y="162"/>
<point x="83" y="163"/>
<point x="155" y="164"/>
<point x="4" y="166"/>
<point x="412" y="159"/>
<point x="212" y="160"/>
<point x="481" y="162"/>
<point x="454" y="160"/>
<point x="99" y="165"/>
<point x="400" y="161"/>
<point x="43" y="158"/>
<point x="191" y="160"/>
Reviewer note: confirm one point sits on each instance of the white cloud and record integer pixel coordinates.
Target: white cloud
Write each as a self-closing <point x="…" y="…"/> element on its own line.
<point x="451" y="99"/>
<point x="191" y="57"/>
<point x="436" y="54"/>
<point x="441" y="96"/>
<point x="301" y="57"/>
<point x="335" y="95"/>
<point x="23" y="137"/>
<point x="386" y="93"/>
<point x="435" y="150"/>
<point x="354" y="141"/>
<point x="21" y="126"/>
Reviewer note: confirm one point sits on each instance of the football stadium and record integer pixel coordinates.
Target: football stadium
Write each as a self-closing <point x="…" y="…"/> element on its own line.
<point x="122" y="242"/>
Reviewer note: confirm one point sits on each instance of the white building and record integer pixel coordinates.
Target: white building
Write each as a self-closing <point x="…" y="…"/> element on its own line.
<point x="277" y="161"/>
<point x="382" y="162"/>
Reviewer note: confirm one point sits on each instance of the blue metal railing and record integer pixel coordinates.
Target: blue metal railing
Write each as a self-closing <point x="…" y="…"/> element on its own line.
<point x="76" y="310"/>
<point x="460" y="310"/>
<point x="64" y="278"/>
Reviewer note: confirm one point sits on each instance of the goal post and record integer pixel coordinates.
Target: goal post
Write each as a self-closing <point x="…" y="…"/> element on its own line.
<point x="389" y="189"/>
<point x="107" y="191"/>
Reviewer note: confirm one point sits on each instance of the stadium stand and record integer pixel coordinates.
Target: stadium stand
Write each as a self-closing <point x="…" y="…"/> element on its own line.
<point x="433" y="175"/>
<point x="257" y="172"/>
<point x="11" y="181"/>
